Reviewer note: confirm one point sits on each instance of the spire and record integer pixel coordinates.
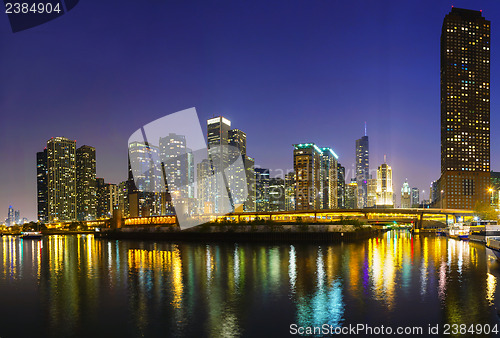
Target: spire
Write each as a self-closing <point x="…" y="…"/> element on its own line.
<point x="365" y="128"/>
<point x="385" y="159"/>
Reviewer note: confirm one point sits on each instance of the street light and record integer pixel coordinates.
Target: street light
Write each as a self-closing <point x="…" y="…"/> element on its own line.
<point x="491" y="190"/>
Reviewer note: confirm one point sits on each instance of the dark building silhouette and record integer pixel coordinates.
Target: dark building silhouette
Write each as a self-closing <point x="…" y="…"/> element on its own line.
<point x="41" y="185"/>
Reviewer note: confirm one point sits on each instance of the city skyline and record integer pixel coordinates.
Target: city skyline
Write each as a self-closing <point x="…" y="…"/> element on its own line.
<point x="405" y="137"/>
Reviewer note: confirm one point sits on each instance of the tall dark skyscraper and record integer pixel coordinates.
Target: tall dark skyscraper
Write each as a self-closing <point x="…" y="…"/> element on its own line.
<point x="85" y="183"/>
<point x="362" y="169"/>
<point x="465" y="109"/>
<point x="41" y="185"/>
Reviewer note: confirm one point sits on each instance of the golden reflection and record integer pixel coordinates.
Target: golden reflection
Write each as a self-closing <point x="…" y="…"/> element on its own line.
<point x="491" y="285"/>
<point x="160" y="261"/>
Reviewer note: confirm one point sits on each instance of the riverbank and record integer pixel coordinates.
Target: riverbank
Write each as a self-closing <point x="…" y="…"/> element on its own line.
<point x="240" y="233"/>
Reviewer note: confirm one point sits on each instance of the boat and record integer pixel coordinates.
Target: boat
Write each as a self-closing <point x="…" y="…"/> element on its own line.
<point x="458" y="231"/>
<point x="480" y="231"/>
<point x="493" y="243"/>
<point x="441" y="232"/>
<point x="31" y="235"/>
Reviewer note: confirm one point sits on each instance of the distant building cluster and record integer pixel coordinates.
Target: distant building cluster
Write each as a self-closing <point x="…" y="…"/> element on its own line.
<point x="14" y="217"/>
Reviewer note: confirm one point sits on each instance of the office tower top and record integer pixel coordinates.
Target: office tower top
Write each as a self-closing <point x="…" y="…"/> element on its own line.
<point x="465" y="108"/>
<point x="218" y="131"/>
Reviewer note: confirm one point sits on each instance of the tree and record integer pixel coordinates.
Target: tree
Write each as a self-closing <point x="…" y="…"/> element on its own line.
<point x="485" y="211"/>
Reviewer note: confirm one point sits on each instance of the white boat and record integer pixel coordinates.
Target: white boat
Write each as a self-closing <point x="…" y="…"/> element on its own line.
<point x="493" y="243"/>
<point x="31" y="235"/>
<point x="458" y="231"/>
<point x="480" y="231"/>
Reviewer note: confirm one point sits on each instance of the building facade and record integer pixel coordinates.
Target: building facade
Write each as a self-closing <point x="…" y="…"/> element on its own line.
<point x="465" y="109"/>
<point x="406" y="196"/>
<point x="385" y="194"/>
<point x="262" y="181"/>
<point x="362" y="170"/>
<point x="351" y="194"/>
<point x="415" y="197"/>
<point x="61" y="179"/>
<point x="41" y="186"/>
<point x="85" y="183"/>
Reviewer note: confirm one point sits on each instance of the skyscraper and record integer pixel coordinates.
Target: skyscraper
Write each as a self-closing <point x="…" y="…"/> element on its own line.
<point x="465" y="109"/>
<point x="177" y="165"/>
<point x="41" y="185"/>
<point x="262" y="189"/>
<point x="240" y="197"/>
<point x="315" y="177"/>
<point x="385" y="197"/>
<point x="85" y="183"/>
<point x="290" y="191"/>
<point x="415" y="197"/>
<point x="340" y="186"/>
<point x="204" y="189"/>
<point x="362" y="169"/>
<point x="218" y="141"/>
<point x="307" y="165"/>
<point x="10" y="216"/>
<point x="371" y="195"/>
<point x="406" y="196"/>
<point x="328" y="177"/>
<point x="61" y="174"/>
<point x="351" y="194"/>
<point x="276" y="194"/>
<point x="146" y="188"/>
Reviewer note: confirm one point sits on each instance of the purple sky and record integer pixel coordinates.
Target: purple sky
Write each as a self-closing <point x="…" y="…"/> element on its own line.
<point x="282" y="71"/>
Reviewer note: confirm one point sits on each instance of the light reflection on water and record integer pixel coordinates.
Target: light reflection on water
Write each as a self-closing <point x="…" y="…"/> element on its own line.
<point x="71" y="285"/>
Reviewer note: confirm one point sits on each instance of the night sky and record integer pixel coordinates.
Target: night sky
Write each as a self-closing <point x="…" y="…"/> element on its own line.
<point x="284" y="72"/>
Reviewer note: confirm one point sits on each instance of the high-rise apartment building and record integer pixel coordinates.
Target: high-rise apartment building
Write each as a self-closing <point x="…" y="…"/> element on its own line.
<point x="276" y="194"/>
<point x="262" y="189"/>
<point x="362" y="170"/>
<point x="351" y="194"/>
<point x="85" y="183"/>
<point x="147" y="187"/>
<point x="204" y="184"/>
<point x="315" y="177"/>
<point x="415" y="197"/>
<point x="371" y="192"/>
<point x="61" y="179"/>
<point x="41" y="185"/>
<point x="307" y="166"/>
<point x="290" y="191"/>
<point x="340" y="186"/>
<point x="329" y="177"/>
<point x="465" y="109"/>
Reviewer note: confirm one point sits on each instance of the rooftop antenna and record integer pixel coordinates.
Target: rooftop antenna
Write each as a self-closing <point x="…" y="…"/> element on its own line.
<point x="385" y="159"/>
<point x="365" y="128"/>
